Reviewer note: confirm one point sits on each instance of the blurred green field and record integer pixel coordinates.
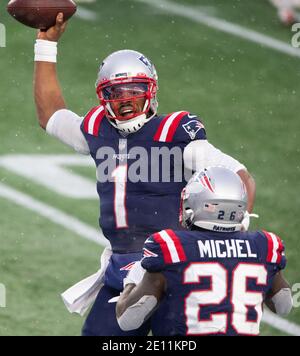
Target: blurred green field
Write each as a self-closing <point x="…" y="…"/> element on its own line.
<point x="248" y="97"/>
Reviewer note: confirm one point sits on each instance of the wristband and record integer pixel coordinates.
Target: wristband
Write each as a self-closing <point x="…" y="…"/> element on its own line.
<point x="45" y="51"/>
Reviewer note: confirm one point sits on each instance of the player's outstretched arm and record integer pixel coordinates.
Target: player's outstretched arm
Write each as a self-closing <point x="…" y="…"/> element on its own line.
<point x="47" y="91"/>
<point x="249" y="182"/>
<point x="200" y="154"/>
<point x="279" y="300"/>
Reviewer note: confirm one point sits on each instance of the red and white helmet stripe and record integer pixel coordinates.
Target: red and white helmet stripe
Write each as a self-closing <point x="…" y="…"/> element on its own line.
<point x="206" y="183"/>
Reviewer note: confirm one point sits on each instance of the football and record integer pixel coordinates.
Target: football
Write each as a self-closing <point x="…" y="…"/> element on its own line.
<point x="40" y="14"/>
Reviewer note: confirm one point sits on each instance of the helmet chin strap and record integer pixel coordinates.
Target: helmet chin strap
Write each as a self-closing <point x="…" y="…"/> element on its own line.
<point x="132" y="125"/>
<point x="110" y="110"/>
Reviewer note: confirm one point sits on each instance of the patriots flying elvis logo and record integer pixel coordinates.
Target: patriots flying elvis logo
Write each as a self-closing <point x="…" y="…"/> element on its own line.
<point x="145" y="61"/>
<point x="128" y="267"/>
<point x="192" y="127"/>
<point x="148" y="253"/>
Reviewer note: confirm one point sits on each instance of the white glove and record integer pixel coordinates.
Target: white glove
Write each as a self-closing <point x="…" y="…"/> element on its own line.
<point x="246" y="221"/>
<point x="135" y="274"/>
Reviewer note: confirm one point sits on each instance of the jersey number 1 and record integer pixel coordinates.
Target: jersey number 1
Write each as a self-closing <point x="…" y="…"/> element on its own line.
<point x="120" y="178"/>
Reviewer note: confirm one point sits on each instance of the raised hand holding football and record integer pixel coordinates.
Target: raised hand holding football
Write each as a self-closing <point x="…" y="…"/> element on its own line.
<point x="40" y="14"/>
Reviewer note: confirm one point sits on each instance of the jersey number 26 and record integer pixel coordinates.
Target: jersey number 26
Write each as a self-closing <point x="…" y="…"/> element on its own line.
<point x="240" y="298"/>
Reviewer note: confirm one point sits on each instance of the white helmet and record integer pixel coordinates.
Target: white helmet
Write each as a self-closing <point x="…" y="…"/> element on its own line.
<point x="214" y="199"/>
<point x="132" y="72"/>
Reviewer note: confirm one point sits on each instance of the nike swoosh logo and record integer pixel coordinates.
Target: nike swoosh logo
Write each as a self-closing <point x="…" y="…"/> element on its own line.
<point x="192" y="116"/>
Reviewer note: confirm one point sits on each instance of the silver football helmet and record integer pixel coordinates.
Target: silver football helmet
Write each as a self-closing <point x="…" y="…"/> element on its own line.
<point x="125" y="76"/>
<point x="214" y="199"/>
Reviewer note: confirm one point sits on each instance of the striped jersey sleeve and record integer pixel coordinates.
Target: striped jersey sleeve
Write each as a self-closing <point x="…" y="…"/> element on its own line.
<point x="92" y="121"/>
<point x="275" y="250"/>
<point x="180" y="126"/>
<point x="162" y="249"/>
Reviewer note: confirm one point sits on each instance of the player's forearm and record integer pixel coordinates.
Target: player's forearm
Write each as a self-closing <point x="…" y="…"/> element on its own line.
<point x="279" y="299"/>
<point x="200" y="154"/>
<point x="135" y="307"/>
<point x="137" y="286"/>
<point x="250" y="187"/>
<point x="47" y="92"/>
<point x="123" y="302"/>
<point x="281" y="303"/>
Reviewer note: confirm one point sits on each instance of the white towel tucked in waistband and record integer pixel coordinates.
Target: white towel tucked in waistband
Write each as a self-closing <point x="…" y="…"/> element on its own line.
<point x="79" y="297"/>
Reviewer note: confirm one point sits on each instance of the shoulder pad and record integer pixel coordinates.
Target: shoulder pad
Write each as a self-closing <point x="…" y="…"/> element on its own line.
<point x="92" y="120"/>
<point x="180" y="126"/>
<point x="161" y="249"/>
<point x="275" y="249"/>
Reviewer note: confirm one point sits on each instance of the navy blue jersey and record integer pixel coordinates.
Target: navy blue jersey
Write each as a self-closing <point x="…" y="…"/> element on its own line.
<point x="216" y="282"/>
<point x="139" y="190"/>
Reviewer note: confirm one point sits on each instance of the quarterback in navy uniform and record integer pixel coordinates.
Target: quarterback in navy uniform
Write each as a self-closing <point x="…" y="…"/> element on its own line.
<point x="213" y="278"/>
<point x="141" y="158"/>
